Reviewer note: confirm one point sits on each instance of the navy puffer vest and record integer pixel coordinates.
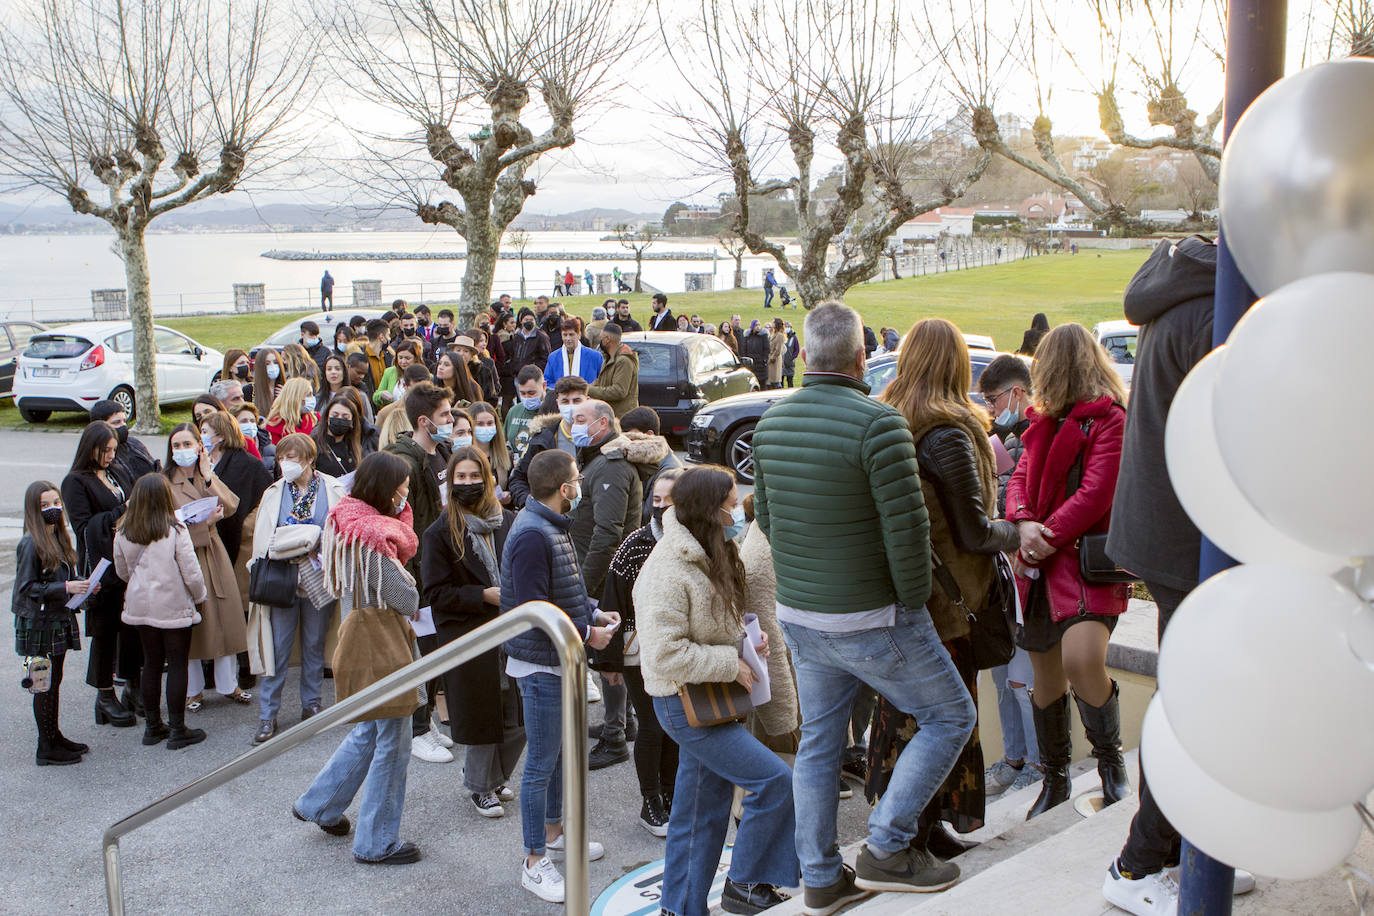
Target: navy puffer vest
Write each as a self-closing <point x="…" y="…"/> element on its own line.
<point x="565" y="583"/>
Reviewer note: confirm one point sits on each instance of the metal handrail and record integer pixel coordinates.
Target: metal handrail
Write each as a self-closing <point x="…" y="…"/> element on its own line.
<point x="572" y="662"/>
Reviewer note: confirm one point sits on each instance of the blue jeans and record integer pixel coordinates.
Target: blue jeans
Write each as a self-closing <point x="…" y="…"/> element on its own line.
<point x="711" y="762"/>
<point x="314" y="627"/>
<point x="905" y="663"/>
<point x="1014" y="709"/>
<point x="541" y="786"/>
<point x="768" y="297"/>
<point x="378" y="752"/>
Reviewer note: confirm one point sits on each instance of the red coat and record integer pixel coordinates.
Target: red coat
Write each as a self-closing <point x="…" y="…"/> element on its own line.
<point x="277" y="430"/>
<point x="1037" y="491"/>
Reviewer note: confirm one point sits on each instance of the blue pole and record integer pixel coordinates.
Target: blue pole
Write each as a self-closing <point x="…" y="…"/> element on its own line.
<point x="1255" y="34"/>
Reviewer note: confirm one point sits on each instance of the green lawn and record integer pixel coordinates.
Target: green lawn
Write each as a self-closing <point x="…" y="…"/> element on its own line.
<point x="998" y="301"/>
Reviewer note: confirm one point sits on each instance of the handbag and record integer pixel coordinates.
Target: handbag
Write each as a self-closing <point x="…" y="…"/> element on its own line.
<point x="1094" y="566"/>
<point x="714" y="703"/>
<point x="272" y="582"/>
<point x="374" y="642"/>
<point x="991" y="631"/>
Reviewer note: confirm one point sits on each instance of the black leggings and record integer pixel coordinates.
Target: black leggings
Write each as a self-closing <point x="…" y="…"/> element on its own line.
<point x="655" y="752"/>
<point x="115" y="646"/>
<point x="47" y="703"/>
<point x="174" y="648"/>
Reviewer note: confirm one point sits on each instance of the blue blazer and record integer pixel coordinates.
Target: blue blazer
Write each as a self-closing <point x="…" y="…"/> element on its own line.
<point x="557" y="366"/>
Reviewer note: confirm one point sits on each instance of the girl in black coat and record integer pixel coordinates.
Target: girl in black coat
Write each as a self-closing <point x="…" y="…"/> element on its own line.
<point x="461" y="582"/>
<point x="94" y="493"/>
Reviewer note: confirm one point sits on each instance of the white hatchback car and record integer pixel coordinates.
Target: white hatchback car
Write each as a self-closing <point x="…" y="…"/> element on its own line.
<point x="71" y="367"/>
<point x="1118" y="339"/>
<point x="291" y="333"/>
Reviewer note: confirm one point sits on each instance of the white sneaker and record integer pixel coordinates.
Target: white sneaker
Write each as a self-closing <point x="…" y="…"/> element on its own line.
<point x="1244" y="883"/>
<point x="427" y="748"/>
<point x="487" y="805"/>
<point x="437" y="730"/>
<point x="593" y="691"/>
<point x="1152" y="895"/>
<point x="543" y="880"/>
<point x="505" y="794"/>
<point x="594" y="849"/>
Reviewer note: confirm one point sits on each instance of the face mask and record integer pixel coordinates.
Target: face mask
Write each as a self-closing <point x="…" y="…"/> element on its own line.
<point x="469" y="494"/>
<point x="185" y="457"/>
<point x="422" y="322"/>
<point x="1007" y="418"/>
<point x="340" y="426"/>
<point x="310" y="404"/>
<point x="531" y="404"/>
<point x="443" y="433"/>
<point x="658" y="513"/>
<point x="485" y="434"/>
<point x="580" y="435"/>
<point x="737" y="522"/>
<point x="407" y="332"/>
<point x="567" y="411"/>
<point x="399" y="507"/>
<point x="52" y="515"/>
<point x="462" y="441"/>
<point x="207" y="440"/>
<point x="250" y="430"/>
<point x="122" y="434"/>
<point x="290" y="470"/>
<point x="273" y="370"/>
<point x="309" y="341"/>
<point x="242" y="372"/>
<point x="576" y="500"/>
<point x="528" y="324"/>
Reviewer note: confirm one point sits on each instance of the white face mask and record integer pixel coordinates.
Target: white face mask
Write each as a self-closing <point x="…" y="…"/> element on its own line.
<point x="185" y="457"/>
<point x="485" y="433"/>
<point x="250" y="430"/>
<point x="273" y="370"/>
<point x="290" y="470"/>
<point x="567" y="411"/>
<point x="310" y="403"/>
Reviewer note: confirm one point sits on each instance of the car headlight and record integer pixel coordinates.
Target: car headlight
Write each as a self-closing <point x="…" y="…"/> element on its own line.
<point x="702" y="420"/>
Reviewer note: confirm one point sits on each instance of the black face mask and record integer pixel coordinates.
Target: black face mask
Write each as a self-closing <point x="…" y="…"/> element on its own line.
<point x="407" y="332"/>
<point x="422" y="322"/>
<point x="340" y="426"/>
<point x="52" y="515"/>
<point x="528" y="324"/>
<point x="122" y="434"/>
<point x="469" y="494"/>
<point x="242" y="372"/>
<point x="658" y="513"/>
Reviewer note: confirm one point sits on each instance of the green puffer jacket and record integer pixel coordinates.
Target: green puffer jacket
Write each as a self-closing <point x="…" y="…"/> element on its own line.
<point x="838" y="493"/>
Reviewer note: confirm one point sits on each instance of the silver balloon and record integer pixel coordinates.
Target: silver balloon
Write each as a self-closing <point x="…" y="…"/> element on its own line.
<point x="1297" y="178"/>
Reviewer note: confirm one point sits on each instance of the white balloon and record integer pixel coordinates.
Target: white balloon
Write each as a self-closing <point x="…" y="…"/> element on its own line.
<point x="1265" y="690"/>
<point x="1282" y="844"/>
<point x="1289" y="411"/>
<point x="1208" y="493"/>
<point x="1297" y="179"/>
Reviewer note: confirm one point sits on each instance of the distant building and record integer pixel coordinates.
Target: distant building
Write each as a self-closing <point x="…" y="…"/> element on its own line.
<point x="940" y="221"/>
<point x="1166" y="217"/>
<point x="696" y="213"/>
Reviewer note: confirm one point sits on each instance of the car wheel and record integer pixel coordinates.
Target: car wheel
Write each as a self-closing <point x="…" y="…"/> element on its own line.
<point x="124" y="397"/>
<point x="739" y="453"/>
<point x="34" y="416"/>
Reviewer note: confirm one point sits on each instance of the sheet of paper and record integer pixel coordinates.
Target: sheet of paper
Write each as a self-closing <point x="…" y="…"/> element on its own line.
<point x="1004" y="459"/>
<point x="74" y="601"/>
<point x="762" y="691"/>
<point x="198" y="510"/>
<point x="346" y="481"/>
<point x="425" y="625"/>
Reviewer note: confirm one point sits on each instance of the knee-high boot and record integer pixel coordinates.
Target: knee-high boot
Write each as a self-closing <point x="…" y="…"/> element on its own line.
<point x="1052" y="735"/>
<point x="50" y="752"/>
<point x="1103" y="725"/>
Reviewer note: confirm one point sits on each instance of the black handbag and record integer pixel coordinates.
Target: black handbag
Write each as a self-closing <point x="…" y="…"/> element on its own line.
<point x="272" y="582"/>
<point x="1094" y="566"/>
<point x="991" y="632"/>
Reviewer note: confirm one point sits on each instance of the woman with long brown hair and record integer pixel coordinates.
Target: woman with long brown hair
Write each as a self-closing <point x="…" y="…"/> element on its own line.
<point x="452" y="374"/>
<point x="461" y="578"/>
<point x="959" y="483"/>
<point x="238" y="366"/>
<point x="491" y="439"/>
<point x="1061" y="490"/>
<point x="690" y="601"/>
<point x="339" y="437"/>
<point x="44" y="627"/>
<point x="267" y="381"/>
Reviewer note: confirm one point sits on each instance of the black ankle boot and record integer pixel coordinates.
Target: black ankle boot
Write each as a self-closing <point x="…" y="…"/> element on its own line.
<point x="178" y="735"/>
<point x="108" y="711"/>
<point x="1103" y="725"/>
<point x="1052" y="736"/>
<point x="153" y="730"/>
<point x="49" y="754"/>
<point x="132" y="700"/>
<point x="67" y="744"/>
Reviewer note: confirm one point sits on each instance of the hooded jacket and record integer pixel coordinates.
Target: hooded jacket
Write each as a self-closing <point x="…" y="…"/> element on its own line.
<point x="522" y="351"/>
<point x="618" y="382"/>
<point x="611" y="495"/>
<point x="1171" y="299"/>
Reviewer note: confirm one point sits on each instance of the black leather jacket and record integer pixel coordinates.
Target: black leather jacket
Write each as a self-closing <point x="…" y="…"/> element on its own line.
<point x="39" y="594"/>
<point x="947" y="459"/>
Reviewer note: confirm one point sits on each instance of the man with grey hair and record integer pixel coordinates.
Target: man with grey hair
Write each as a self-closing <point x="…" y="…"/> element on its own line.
<point x="230" y="394"/>
<point x="838" y="493"/>
<point x="609" y="512"/>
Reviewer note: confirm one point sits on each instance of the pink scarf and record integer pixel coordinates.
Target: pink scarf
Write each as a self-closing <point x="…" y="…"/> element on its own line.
<point x="390" y="535"/>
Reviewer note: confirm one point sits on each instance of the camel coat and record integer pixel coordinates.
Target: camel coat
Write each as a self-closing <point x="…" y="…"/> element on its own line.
<point x="222" y="630"/>
<point x="777" y="342"/>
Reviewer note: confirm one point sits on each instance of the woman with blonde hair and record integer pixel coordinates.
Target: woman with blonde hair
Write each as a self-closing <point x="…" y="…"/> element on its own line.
<point x="959" y="483"/>
<point x="293" y="411"/>
<point x="1061" y="490"/>
<point x="297" y="363"/>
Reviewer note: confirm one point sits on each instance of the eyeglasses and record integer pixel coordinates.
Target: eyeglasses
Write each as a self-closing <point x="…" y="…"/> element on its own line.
<point x="992" y="399"/>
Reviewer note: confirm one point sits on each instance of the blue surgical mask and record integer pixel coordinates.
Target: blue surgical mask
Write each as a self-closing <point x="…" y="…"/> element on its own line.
<point x="250" y="430"/>
<point x="310" y="403"/>
<point x="485" y="434"/>
<point x="443" y="433"/>
<point x="185" y="457"/>
<point x="532" y="404"/>
<point x="737" y="523"/>
<point x="461" y="441"/>
<point x="207" y="440"/>
<point x="576" y="500"/>
<point x="273" y="370"/>
<point x="580" y="436"/>
<point x="1005" y="419"/>
<point x="567" y="411"/>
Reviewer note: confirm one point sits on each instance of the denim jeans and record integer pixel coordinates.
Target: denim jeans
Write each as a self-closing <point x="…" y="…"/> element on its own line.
<point x="373" y="757"/>
<point x="541" y="786"/>
<point x="313" y="623"/>
<point x="711" y="762"/>
<point x="1014" y="709"/>
<point x="905" y="663"/>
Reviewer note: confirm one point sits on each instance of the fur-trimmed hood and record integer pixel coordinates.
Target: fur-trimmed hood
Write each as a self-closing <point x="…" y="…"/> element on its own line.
<point x="545" y="421"/>
<point x="638" y="448"/>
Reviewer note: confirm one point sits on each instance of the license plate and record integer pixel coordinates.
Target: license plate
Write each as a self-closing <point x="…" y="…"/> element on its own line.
<point x="47" y="373"/>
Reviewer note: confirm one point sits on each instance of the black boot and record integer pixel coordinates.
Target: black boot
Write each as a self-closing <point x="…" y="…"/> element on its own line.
<point x="934" y="838"/>
<point x="49" y="753"/>
<point x="132" y="699"/>
<point x="1052" y="735"/>
<point x="1103" y="725"/>
<point x="60" y="739"/>
<point x="178" y="735"/>
<point x="108" y="710"/>
<point x="153" y="729"/>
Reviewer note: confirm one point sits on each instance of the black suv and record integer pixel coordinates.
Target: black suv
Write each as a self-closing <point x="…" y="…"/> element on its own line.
<point x="681" y="373"/>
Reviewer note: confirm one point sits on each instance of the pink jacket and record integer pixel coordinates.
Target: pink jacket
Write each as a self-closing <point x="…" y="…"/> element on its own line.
<point x="165" y="581"/>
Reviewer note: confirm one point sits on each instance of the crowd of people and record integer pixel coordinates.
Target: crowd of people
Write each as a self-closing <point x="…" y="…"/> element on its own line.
<point x="408" y="470"/>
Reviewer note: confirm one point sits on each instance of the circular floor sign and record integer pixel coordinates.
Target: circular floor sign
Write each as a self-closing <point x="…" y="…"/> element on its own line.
<point x="639" y="891"/>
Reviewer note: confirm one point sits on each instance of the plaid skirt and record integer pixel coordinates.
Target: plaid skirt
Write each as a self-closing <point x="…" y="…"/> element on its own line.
<point x="46" y="637"/>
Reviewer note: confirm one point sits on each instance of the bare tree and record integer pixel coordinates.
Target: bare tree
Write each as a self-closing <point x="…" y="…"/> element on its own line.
<point x="817" y="78"/>
<point x="736" y="249"/>
<point x="638" y="241"/>
<point x="1198" y="191"/>
<point x="491" y="66"/>
<point x="520" y="240"/>
<point x="892" y="252"/>
<point x="130" y="109"/>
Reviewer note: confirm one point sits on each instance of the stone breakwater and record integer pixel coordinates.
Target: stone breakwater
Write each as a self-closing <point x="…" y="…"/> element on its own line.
<point x="569" y="257"/>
